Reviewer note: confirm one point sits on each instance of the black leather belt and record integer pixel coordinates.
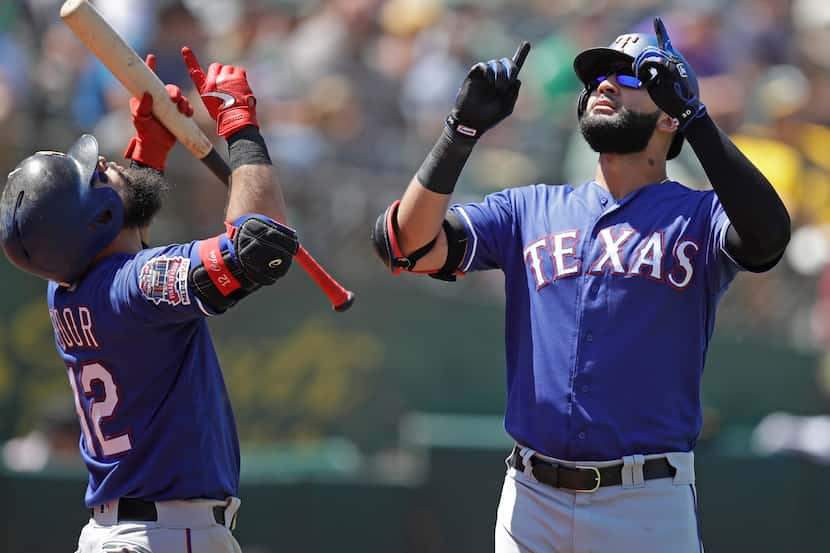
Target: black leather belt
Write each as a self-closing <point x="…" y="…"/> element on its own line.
<point x="130" y="508"/>
<point x="586" y="479"/>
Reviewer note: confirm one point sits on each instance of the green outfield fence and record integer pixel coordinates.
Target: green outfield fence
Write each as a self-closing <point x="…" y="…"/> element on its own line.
<point x="746" y="503"/>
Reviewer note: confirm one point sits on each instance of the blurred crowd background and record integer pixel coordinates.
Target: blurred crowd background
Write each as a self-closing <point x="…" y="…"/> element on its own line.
<point x="351" y="96"/>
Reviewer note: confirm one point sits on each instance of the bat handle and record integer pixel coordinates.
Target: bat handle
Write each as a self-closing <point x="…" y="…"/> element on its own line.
<point x="340" y="298"/>
<point x="217" y="166"/>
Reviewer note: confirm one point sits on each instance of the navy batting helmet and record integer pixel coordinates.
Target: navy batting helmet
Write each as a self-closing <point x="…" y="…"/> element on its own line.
<point x="593" y="62"/>
<point x="52" y="221"/>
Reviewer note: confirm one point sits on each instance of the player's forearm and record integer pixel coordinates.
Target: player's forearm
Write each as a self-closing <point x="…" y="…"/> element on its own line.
<point x="760" y="222"/>
<point x="253" y="189"/>
<point x="254" y="186"/>
<point x="425" y="202"/>
<point x="440" y="171"/>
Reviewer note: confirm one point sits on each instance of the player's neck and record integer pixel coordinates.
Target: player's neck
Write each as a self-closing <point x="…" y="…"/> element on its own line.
<point x="127" y="241"/>
<point x="623" y="174"/>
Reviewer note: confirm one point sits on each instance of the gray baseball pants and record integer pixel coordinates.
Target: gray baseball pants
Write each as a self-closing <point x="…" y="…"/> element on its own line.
<point x="640" y="516"/>
<point x="182" y="527"/>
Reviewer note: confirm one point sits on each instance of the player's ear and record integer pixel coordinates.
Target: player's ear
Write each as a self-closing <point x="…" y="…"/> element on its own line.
<point x="667" y="123"/>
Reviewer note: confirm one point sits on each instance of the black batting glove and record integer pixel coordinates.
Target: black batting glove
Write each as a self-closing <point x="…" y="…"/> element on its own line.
<point x="669" y="79"/>
<point x="487" y="95"/>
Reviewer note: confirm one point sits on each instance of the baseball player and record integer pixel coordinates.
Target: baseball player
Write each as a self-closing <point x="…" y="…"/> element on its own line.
<point x="157" y="432"/>
<point x="611" y="288"/>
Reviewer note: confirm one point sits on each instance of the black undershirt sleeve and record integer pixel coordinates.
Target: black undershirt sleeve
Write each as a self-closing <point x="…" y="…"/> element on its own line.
<point x="760" y="227"/>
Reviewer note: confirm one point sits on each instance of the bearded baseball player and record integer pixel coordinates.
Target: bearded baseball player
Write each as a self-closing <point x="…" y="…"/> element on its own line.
<point x="611" y="288"/>
<point x="157" y="432"/>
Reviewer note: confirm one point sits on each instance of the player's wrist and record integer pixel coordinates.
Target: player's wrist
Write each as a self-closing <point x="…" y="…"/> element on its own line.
<point x="693" y="113"/>
<point x="460" y="131"/>
<point x="700" y="128"/>
<point x="442" y="166"/>
<point x="247" y="147"/>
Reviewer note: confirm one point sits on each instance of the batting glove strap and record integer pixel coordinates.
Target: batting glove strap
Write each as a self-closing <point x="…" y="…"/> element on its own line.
<point x="460" y="130"/>
<point x="242" y="114"/>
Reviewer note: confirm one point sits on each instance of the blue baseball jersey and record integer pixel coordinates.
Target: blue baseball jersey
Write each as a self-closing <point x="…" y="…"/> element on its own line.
<point x="156" y="421"/>
<point x="610" y="309"/>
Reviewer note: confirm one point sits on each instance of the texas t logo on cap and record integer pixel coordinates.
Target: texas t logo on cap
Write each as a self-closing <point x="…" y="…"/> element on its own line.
<point x="623" y="40"/>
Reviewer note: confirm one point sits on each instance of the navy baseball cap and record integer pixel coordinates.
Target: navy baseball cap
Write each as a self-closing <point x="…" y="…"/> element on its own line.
<point x="625" y="48"/>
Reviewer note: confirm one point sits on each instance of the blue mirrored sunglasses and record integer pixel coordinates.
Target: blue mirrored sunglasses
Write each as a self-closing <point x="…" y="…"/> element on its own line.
<point x="628" y="81"/>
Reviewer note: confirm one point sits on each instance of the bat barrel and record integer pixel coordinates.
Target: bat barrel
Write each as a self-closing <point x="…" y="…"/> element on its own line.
<point x="123" y="62"/>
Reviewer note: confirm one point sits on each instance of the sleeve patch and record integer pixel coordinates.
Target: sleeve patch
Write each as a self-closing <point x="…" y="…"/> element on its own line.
<point x="164" y="279"/>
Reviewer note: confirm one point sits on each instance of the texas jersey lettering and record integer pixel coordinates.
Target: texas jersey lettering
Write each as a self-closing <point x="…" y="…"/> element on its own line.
<point x="646" y="257"/>
<point x="580" y="386"/>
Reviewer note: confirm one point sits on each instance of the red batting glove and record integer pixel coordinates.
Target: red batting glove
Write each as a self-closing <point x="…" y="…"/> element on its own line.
<point x="225" y="93"/>
<point x="153" y="141"/>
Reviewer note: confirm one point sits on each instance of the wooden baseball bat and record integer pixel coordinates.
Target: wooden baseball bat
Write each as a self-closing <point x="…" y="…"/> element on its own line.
<point x="122" y="61"/>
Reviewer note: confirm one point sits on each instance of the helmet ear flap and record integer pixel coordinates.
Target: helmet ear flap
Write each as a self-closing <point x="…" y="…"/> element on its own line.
<point x="106" y="219"/>
<point x="582" y="102"/>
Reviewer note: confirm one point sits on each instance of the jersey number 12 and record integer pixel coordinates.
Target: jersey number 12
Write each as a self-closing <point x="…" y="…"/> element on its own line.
<point x="101" y="408"/>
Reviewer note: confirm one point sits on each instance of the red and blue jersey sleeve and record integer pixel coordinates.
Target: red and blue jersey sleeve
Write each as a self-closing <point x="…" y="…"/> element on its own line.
<point x="153" y="285"/>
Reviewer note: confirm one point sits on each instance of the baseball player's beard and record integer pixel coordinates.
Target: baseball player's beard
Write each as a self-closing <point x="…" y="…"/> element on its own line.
<point x="625" y="132"/>
<point x="142" y="195"/>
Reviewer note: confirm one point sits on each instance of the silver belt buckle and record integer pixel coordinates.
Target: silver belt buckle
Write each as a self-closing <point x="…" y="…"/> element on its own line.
<point x="598" y="477"/>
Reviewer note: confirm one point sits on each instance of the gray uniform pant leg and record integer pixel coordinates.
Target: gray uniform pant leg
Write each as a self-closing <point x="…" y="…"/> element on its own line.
<point x="654" y="516"/>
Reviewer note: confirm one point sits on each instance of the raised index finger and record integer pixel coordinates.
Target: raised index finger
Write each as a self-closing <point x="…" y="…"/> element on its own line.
<point x="520" y="55"/>
<point x="193" y="67"/>
<point x="663" y="40"/>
